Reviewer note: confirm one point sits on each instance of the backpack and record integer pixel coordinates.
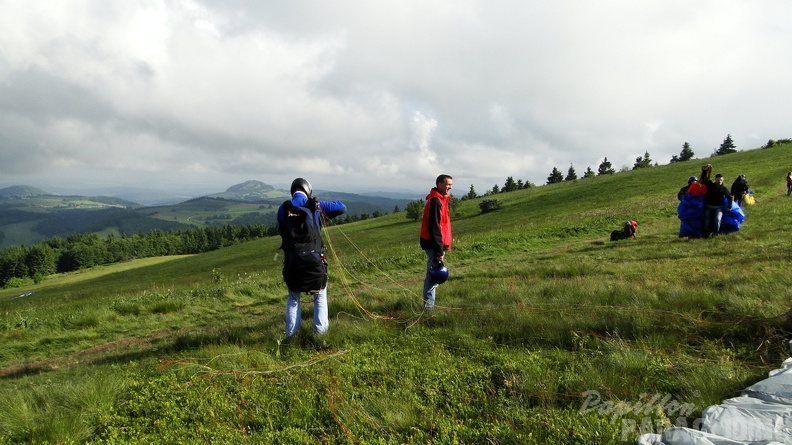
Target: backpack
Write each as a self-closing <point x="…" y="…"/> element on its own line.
<point x="304" y="264"/>
<point x="628" y="231"/>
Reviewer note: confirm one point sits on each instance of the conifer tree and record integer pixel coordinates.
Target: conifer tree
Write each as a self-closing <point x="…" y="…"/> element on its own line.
<point x="589" y="172"/>
<point x="510" y="185"/>
<point x="642" y="162"/>
<point x="605" y="168"/>
<point x="555" y="176"/>
<point x="472" y="193"/>
<point x="726" y="147"/>
<point x="571" y="174"/>
<point x="687" y="153"/>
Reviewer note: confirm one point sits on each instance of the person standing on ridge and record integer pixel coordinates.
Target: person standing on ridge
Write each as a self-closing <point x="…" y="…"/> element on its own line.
<point x="435" y="238"/>
<point x="304" y="264"/>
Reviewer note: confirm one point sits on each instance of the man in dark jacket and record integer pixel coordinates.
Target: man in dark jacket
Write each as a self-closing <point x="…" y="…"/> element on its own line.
<point x="684" y="189"/>
<point x="716" y="198"/>
<point x="739" y="188"/>
<point x="435" y="232"/>
<point x="301" y="197"/>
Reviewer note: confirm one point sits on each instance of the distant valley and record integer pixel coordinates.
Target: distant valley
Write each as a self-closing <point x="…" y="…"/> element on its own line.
<point x="29" y="215"/>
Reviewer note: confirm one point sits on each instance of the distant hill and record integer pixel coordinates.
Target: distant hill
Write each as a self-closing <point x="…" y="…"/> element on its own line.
<point x="250" y="187"/>
<point x="20" y="191"/>
<point x="251" y="191"/>
<point x="257" y="191"/>
<point x="29" y="215"/>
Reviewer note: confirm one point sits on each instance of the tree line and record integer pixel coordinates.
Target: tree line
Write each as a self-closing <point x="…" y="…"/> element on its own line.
<point x="606" y="168"/>
<point x="414" y="209"/>
<point x="19" y="264"/>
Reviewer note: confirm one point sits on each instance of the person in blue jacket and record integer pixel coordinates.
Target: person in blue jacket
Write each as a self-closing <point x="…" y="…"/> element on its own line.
<point x="300" y="191"/>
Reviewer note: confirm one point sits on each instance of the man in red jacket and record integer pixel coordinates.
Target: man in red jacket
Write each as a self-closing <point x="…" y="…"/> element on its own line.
<point x="436" y="232"/>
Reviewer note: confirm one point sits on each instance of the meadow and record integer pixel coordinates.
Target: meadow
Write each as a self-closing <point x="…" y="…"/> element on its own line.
<point x="546" y="332"/>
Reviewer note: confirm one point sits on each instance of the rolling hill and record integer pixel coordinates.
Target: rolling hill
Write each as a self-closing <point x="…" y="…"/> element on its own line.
<point x="29" y="215"/>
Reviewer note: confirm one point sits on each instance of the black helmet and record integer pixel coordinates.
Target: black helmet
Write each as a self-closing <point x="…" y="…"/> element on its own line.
<point x="438" y="273"/>
<point x="692" y="179"/>
<point x="301" y="184"/>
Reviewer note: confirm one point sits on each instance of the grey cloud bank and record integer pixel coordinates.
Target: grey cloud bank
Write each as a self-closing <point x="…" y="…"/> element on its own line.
<point x="199" y="95"/>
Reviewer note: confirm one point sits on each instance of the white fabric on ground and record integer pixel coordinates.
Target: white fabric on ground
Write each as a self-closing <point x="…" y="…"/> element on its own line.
<point x="762" y="415"/>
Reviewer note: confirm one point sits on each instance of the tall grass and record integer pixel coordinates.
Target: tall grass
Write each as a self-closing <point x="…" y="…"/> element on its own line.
<point x="541" y="312"/>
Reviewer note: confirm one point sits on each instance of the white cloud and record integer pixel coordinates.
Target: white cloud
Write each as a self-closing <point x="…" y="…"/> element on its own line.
<point x="354" y="93"/>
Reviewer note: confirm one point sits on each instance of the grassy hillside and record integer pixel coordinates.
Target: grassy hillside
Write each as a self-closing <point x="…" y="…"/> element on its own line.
<point x="546" y="332"/>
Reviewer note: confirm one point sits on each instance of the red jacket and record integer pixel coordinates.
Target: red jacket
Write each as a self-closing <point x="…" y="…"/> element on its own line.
<point x="436" y="225"/>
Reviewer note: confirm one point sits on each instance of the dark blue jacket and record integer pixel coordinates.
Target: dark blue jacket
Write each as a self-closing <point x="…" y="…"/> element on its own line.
<point x="330" y="209"/>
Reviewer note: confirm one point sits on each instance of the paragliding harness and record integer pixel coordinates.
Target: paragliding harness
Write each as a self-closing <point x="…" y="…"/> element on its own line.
<point x="628" y="231"/>
<point x="304" y="264"/>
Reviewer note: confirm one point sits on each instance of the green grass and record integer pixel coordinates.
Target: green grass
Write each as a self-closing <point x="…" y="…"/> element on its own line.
<point x="541" y="310"/>
<point x="198" y="213"/>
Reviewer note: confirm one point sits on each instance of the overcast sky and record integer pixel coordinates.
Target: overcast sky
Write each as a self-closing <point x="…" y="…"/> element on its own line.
<point x="368" y="95"/>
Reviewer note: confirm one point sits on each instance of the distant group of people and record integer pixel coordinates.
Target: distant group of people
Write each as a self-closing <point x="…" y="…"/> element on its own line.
<point x="707" y="208"/>
<point x="305" y="265"/>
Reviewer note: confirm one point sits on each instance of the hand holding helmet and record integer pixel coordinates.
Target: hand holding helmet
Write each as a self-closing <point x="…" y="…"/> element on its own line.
<point x="438" y="272"/>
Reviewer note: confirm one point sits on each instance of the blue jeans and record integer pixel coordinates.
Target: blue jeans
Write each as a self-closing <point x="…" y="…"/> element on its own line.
<point x="429" y="286"/>
<point x="712" y="219"/>
<point x="293" y="319"/>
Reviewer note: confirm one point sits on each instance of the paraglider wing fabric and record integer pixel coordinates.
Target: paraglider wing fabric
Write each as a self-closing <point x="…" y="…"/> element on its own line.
<point x="732" y="219"/>
<point x="748" y="419"/>
<point x="691" y="215"/>
<point x="762" y="414"/>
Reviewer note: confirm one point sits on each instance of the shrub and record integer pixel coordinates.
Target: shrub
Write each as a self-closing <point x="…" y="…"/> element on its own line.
<point x="489" y="205"/>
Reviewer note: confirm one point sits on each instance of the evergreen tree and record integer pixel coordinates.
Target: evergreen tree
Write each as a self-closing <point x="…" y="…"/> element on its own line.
<point x="726" y="147"/>
<point x="642" y="162"/>
<point x="495" y="189"/>
<point x="589" y="173"/>
<point x="555" y="176"/>
<point x="510" y="185"/>
<point x="472" y="193"/>
<point x="571" y="174"/>
<point x="687" y="153"/>
<point x="605" y="168"/>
